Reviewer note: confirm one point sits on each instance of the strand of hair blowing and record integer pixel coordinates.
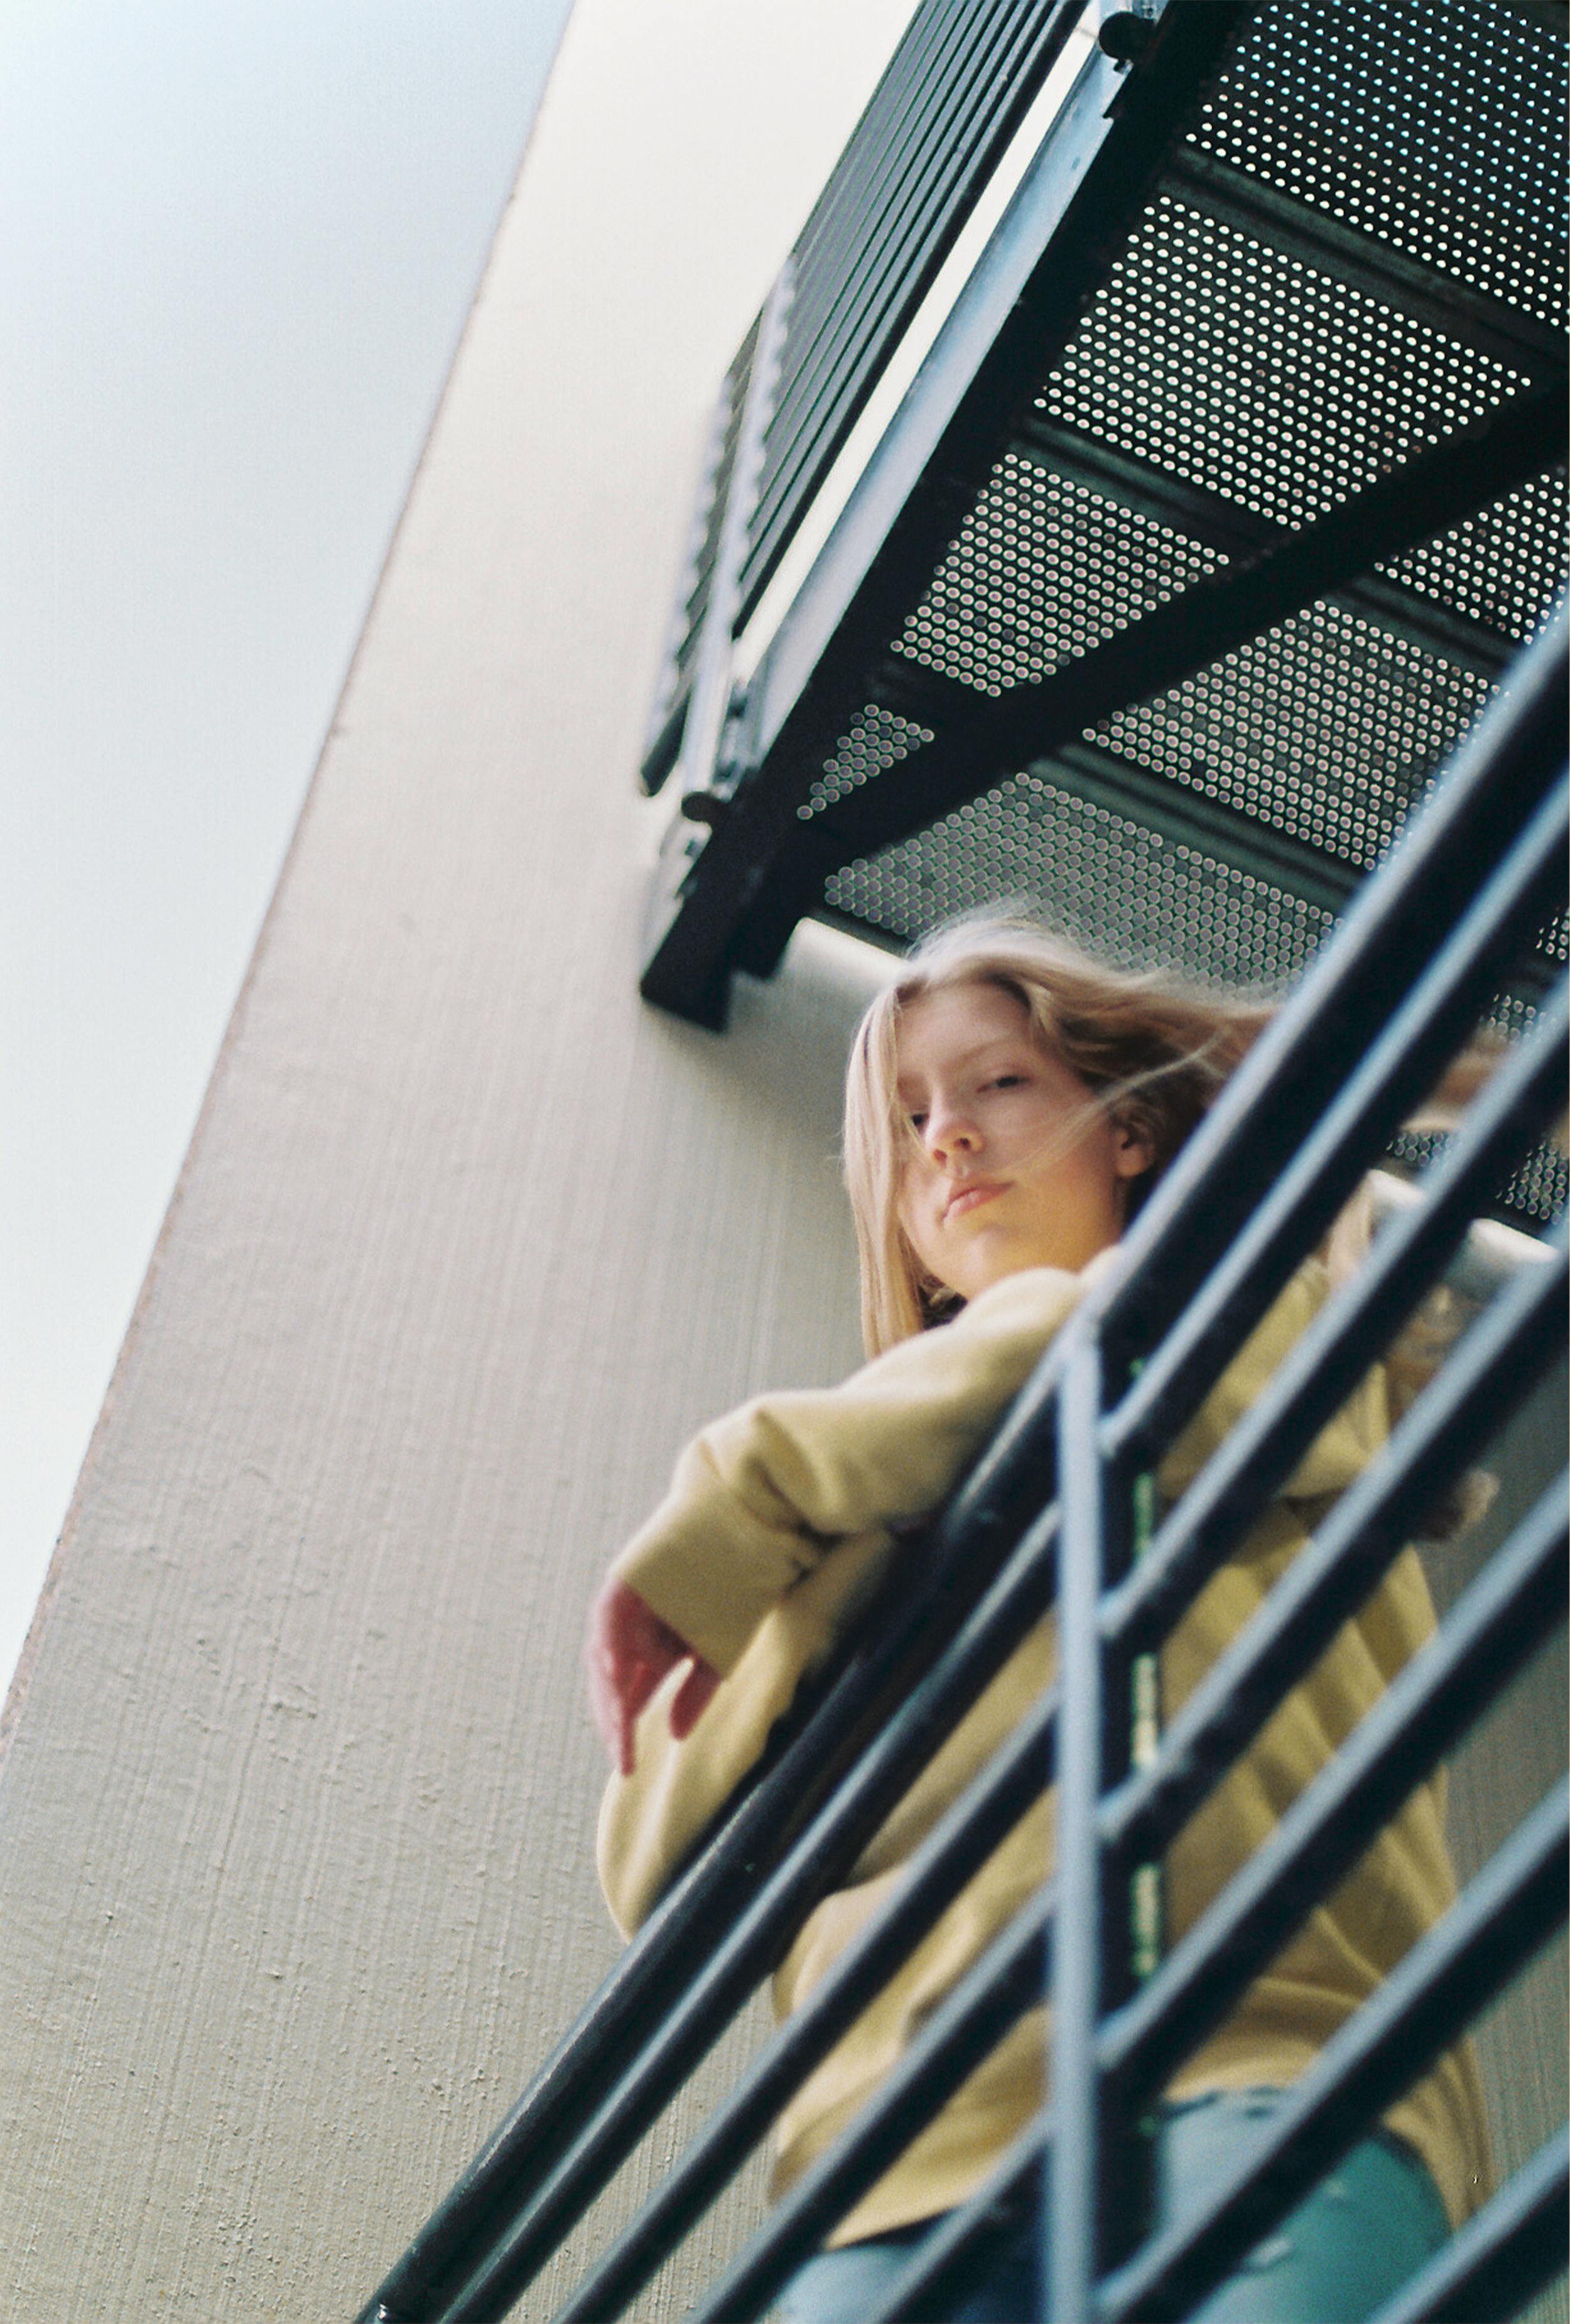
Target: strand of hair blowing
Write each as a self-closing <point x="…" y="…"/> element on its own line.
<point x="1152" y="1048"/>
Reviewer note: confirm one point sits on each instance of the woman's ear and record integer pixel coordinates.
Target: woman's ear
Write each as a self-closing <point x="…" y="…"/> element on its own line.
<point x="1132" y="1152"/>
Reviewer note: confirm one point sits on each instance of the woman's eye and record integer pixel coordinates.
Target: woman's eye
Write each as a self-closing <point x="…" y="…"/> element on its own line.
<point x="917" y="1123"/>
<point x="1007" y="1081"/>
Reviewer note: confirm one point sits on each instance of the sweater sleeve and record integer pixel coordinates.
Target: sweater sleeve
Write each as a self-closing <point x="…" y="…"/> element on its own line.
<point x="759" y="1496"/>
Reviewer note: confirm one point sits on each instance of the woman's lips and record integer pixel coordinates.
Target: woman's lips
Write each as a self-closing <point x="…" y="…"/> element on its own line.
<point x="970" y="1195"/>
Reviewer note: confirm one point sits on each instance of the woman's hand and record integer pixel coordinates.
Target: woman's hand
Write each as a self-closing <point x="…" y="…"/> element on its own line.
<point x="629" y="1651"/>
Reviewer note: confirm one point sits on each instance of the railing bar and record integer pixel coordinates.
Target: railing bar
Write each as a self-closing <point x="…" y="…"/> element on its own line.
<point x="1394" y="1076"/>
<point x="1485" y="2274"/>
<point x="1495" y="787"/>
<point x="1456" y="2284"/>
<point x="1516" y="1898"/>
<point x="1501" y="2259"/>
<point x="965" y="31"/>
<point x="820" y="428"/>
<point x="953" y="1851"/>
<point x="673" y="688"/>
<point x="1072" y="2190"/>
<point x="929" y="39"/>
<point x="369" y="2311"/>
<point x="733" y="396"/>
<point x="835" y="247"/>
<point x="868" y="139"/>
<point x="810" y="321"/>
<point x="1454" y="1417"/>
<point x="706" y="711"/>
<point x="935" y="2274"/>
<point x="694" y="2021"/>
<point x="1234" y="1158"/>
<point x="861" y="212"/>
<point x="967" y="2027"/>
<point x="1322" y="1369"/>
<point x="1530" y="1561"/>
<point x="881" y="1694"/>
<point x="1497" y="1626"/>
<point x="1499" y="1618"/>
<point x="935" y="103"/>
<point x="1450" y="1975"/>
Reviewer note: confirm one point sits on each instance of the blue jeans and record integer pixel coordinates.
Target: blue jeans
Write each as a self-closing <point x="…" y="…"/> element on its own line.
<point x="1362" y="2232"/>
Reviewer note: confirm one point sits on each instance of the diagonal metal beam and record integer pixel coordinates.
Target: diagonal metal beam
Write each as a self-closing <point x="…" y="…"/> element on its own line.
<point x="1237" y="532"/>
<point x="1445" y="1981"/>
<point x="1552" y="15"/>
<point x="1186" y="816"/>
<point x="1428" y="293"/>
<point x="1502" y="2258"/>
<point x="1109" y="779"/>
<point x="1210" y="618"/>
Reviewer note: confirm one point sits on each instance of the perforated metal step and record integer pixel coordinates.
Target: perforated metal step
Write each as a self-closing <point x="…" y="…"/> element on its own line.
<point x="1236" y="522"/>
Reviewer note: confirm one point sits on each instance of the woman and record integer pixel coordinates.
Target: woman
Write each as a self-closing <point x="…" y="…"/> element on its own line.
<point x="1010" y="1104"/>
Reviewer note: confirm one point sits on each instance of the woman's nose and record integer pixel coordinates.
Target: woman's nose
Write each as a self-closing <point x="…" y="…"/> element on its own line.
<point x="949" y="1131"/>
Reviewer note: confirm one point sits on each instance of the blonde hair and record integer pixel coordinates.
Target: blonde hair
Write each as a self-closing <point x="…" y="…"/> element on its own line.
<point x="1152" y="1050"/>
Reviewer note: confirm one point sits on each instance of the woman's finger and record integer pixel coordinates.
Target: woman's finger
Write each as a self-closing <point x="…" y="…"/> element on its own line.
<point x="629" y="1653"/>
<point x="693" y="1697"/>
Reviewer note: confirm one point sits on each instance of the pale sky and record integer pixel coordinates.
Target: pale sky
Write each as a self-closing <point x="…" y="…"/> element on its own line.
<point x="239" y="243"/>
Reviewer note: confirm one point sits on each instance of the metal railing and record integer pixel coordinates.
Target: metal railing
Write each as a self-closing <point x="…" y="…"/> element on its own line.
<point x="1047" y="1514"/>
<point x="956" y="89"/>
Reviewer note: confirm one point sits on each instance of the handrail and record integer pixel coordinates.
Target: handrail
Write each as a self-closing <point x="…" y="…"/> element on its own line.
<point x="1248" y="1199"/>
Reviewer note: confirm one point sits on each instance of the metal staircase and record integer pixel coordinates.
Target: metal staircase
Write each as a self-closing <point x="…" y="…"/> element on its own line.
<point x="1047" y="1517"/>
<point x="1176" y="583"/>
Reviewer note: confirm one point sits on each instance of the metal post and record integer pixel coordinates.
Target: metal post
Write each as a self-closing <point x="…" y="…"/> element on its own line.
<point x="1076" y="1980"/>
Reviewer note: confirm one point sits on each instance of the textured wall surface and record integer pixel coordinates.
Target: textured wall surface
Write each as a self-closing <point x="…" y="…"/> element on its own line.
<point x="294" y="1831"/>
<point x="294" y="1823"/>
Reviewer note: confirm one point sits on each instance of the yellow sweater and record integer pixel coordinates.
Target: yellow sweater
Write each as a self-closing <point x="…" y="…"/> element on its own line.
<point x="777" y="1525"/>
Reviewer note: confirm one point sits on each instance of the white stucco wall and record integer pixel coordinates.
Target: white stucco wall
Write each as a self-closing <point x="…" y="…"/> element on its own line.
<point x="294" y="1822"/>
<point x="294" y="1825"/>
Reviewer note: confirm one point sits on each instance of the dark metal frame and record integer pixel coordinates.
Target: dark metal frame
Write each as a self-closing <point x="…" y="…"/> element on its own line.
<point x="748" y="854"/>
<point x="1388" y="1001"/>
<point x="956" y="89"/>
<point x="1055" y="242"/>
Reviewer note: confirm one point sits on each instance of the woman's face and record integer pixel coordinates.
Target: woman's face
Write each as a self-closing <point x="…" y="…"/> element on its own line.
<point x="1010" y="1167"/>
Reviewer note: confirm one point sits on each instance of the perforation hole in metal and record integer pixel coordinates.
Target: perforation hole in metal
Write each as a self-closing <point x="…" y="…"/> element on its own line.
<point x="878" y="739"/>
<point x="1503" y="566"/>
<point x="1540" y="1188"/>
<point x="1327" y="727"/>
<point x="1246" y="372"/>
<point x="1437" y="129"/>
<point x="1537" y="1191"/>
<point x="1043" y="568"/>
<point x="1129" y="893"/>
